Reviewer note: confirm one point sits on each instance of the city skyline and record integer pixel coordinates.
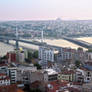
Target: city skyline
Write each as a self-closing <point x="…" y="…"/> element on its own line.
<point x="45" y="9"/>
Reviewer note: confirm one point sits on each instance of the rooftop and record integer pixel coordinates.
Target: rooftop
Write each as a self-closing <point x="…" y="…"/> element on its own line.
<point x="50" y="71"/>
<point x="68" y="72"/>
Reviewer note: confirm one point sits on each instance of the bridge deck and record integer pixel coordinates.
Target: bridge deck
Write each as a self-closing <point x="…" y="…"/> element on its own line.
<point x="75" y="41"/>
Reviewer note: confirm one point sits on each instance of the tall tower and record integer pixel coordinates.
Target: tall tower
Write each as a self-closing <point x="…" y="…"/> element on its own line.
<point x="42" y="36"/>
<point x="17" y="45"/>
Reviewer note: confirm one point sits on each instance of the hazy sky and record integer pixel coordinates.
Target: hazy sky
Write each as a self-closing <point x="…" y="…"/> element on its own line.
<point x="45" y="9"/>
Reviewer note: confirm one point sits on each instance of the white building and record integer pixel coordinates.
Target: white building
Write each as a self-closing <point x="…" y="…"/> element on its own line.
<point x="52" y="74"/>
<point x="89" y="56"/>
<point x="21" y="56"/>
<point x="4" y="69"/>
<point x="13" y="74"/>
<point x="86" y="73"/>
<point x="46" y="54"/>
<point x="26" y="53"/>
<point x="9" y="71"/>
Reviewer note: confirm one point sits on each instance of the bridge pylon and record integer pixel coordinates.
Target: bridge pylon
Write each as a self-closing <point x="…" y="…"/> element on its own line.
<point x="17" y="38"/>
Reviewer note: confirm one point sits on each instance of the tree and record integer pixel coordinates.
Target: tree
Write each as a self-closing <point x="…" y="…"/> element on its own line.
<point x="35" y="54"/>
<point x="29" y="55"/>
<point x="27" y="88"/>
<point x="38" y="66"/>
<point x="28" y="60"/>
<point x="35" y="90"/>
<point x="77" y="63"/>
<point x="89" y="50"/>
<point x="4" y="57"/>
<point x="80" y="48"/>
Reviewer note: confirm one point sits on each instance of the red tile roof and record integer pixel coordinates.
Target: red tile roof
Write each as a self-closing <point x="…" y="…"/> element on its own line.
<point x="68" y="72"/>
<point x="35" y="84"/>
<point x="20" y="90"/>
<point x="2" y="74"/>
<point x="85" y="69"/>
<point x="56" y="85"/>
<point x="3" y="65"/>
<point x="76" y="83"/>
<point x="6" y="78"/>
<point x="9" y="88"/>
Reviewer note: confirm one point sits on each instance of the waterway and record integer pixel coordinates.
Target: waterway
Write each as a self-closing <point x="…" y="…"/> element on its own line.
<point x="4" y="48"/>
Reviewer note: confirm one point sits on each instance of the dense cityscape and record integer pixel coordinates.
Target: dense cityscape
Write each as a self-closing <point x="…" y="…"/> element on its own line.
<point x="52" y="28"/>
<point x="45" y="45"/>
<point x="48" y="69"/>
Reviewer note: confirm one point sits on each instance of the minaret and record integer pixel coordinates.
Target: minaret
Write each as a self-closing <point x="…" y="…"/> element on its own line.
<point x="17" y="45"/>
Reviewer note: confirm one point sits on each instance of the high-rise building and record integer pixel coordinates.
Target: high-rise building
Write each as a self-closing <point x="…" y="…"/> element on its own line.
<point x="46" y="54"/>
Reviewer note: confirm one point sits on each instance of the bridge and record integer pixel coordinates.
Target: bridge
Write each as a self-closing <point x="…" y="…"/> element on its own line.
<point x="75" y="41"/>
<point x="78" y="42"/>
<point x="7" y="39"/>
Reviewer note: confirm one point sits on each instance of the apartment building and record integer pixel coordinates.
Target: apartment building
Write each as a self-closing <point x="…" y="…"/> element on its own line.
<point x="67" y="75"/>
<point x="66" y="54"/>
<point x="46" y="54"/>
<point x="4" y="69"/>
<point x="86" y="73"/>
<point x="4" y="80"/>
<point x="23" y="73"/>
<point x="13" y="74"/>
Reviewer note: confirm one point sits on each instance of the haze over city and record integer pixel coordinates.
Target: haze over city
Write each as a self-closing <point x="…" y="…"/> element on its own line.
<point x="45" y="9"/>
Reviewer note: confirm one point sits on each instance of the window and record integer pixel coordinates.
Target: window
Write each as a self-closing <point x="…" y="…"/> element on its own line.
<point x="88" y="78"/>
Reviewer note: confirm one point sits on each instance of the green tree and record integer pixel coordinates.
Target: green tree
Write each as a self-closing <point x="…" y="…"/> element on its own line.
<point x="4" y="57"/>
<point x="38" y="66"/>
<point x="80" y="48"/>
<point x="35" y="54"/>
<point x="29" y="55"/>
<point x="28" y="60"/>
<point x="77" y="63"/>
<point x="89" y="50"/>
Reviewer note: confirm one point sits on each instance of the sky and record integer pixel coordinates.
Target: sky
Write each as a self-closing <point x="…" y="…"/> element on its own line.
<point x="45" y="9"/>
